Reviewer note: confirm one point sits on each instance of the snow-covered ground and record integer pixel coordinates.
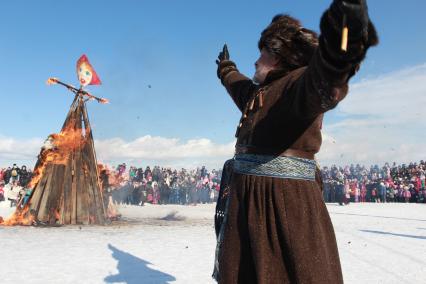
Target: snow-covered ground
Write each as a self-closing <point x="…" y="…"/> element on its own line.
<point x="378" y="243"/>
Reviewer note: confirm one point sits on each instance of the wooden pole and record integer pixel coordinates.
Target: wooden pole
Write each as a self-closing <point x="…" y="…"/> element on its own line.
<point x="76" y="91"/>
<point x="345" y="33"/>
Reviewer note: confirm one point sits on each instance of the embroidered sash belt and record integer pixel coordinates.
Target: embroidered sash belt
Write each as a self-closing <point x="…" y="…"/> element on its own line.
<point x="275" y="166"/>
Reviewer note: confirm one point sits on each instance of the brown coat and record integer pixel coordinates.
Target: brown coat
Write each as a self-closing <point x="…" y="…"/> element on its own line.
<point x="278" y="230"/>
<point x="289" y="112"/>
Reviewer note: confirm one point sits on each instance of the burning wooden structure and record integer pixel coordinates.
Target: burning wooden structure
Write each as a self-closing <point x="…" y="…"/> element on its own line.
<point x="68" y="188"/>
<point x="66" y="185"/>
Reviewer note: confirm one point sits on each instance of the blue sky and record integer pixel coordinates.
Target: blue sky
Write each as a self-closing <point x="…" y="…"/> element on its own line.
<point x="171" y="46"/>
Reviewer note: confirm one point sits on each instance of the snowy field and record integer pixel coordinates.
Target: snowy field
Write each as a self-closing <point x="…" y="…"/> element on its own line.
<point x="378" y="243"/>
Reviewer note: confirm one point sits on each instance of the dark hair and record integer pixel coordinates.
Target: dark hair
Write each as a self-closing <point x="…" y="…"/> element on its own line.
<point x="289" y="41"/>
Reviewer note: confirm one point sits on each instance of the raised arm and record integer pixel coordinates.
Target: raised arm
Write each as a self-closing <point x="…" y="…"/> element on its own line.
<point x="324" y="83"/>
<point x="239" y="87"/>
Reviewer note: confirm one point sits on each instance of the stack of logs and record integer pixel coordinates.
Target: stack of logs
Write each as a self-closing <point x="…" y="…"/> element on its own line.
<point x="69" y="192"/>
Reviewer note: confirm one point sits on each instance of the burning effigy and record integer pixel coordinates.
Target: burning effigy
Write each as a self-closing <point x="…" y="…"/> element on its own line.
<point x="66" y="186"/>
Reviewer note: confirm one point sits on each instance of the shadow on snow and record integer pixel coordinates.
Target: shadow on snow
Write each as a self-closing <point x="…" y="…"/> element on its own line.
<point x="376" y="216"/>
<point x="132" y="269"/>
<point x="394" y="234"/>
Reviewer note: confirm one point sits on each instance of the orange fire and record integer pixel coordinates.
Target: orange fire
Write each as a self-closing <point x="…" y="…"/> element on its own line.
<point x="57" y="215"/>
<point x="20" y="217"/>
<point x="52" y="80"/>
<point x="112" y="212"/>
<point x="63" y="146"/>
<point x="115" y="180"/>
<point x="65" y="143"/>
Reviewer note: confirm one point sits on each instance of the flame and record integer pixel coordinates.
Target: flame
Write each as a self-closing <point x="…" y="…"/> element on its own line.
<point x="52" y="81"/>
<point x="20" y="217"/>
<point x="112" y="212"/>
<point x="57" y="215"/>
<point x="64" y="145"/>
<point x="115" y="179"/>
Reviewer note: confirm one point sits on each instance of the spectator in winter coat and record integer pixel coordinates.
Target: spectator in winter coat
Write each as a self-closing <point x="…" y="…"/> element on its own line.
<point x="15" y="172"/>
<point x="26" y="197"/>
<point x="148" y="173"/>
<point x="406" y="195"/>
<point x="132" y="173"/>
<point x="24" y="176"/>
<point x="12" y="192"/>
<point x="382" y="192"/>
<point x="363" y="192"/>
<point x="7" y="175"/>
<point x="1" y="191"/>
<point x="374" y="197"/>
<point x="357" y="192"/>
<point x="390" y="193"/>
<point x="1" y="175"/>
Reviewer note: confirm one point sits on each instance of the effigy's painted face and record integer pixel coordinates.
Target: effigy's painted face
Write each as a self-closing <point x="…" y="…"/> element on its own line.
<point x="85" y="74"/>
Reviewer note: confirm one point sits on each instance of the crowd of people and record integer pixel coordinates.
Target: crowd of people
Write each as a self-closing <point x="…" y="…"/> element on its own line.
<point x="389" y="183"/>
<point x="14" y="185"/>
<point x="137" y="186"/>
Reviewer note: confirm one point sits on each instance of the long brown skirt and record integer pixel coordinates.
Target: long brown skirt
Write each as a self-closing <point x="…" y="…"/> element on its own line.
<point x="278" y="231"/>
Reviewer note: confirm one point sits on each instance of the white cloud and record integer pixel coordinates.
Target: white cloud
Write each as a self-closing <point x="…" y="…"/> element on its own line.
<point x="19" y="151"/>
<point x="146" y="150"/>
<point x="384" y="121"/>
<point x="151" y="150"/>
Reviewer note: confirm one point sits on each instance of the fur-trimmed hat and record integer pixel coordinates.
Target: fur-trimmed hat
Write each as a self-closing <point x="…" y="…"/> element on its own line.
<point x="289" y="41"/>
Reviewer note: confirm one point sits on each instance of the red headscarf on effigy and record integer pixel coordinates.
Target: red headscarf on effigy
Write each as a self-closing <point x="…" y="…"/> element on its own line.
<point x="83" y="63"/>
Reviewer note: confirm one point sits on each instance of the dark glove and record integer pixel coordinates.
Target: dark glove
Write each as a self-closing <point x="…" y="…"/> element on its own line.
<point x="223" y="55"/>
<point x="356" y="12"/>
<point x="362" y="33"/>
<point x="224" y="65"/>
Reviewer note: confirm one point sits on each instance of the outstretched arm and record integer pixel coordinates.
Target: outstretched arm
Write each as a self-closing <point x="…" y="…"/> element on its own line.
<point x="325" y="81"/>
<point x="76" y="91"/>
<point x="239" y="87"/>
